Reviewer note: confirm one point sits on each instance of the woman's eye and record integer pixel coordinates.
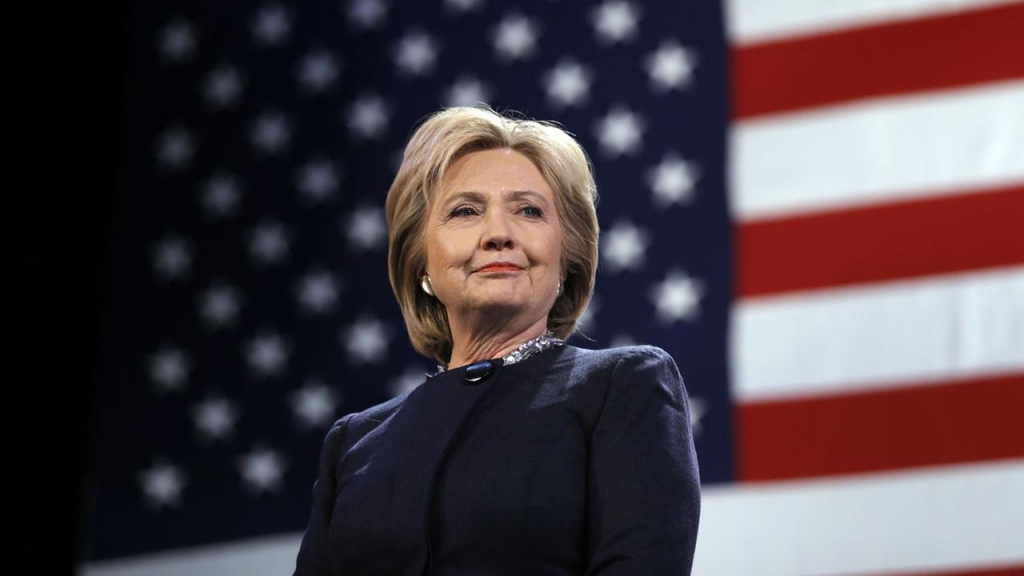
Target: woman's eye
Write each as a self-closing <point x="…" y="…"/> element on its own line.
<point x="463" y="211"/>
<point x="532" y="212"/>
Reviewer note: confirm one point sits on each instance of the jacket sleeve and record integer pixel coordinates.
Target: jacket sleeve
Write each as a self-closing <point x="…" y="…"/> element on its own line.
<point x="314" y="558"/>
<point x="643" y="483"/>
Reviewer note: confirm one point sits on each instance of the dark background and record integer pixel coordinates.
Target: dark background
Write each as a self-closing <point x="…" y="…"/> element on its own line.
<point x="64" y="68"/>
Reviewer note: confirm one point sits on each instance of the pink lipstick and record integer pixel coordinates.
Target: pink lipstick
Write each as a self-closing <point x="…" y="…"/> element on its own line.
<point x="500" y="267"/>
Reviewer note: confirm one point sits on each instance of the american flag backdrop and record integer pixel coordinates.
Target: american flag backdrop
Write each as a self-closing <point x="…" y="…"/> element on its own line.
<point x="816" y="207"/>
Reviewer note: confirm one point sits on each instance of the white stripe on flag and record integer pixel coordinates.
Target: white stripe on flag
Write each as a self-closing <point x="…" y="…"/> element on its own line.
<point x="879" y="150"/>
<point x="940" y="519"/>
<point x="864" y="337"/>
<point x="749" y="21"/>
<point x="271" y="556"/>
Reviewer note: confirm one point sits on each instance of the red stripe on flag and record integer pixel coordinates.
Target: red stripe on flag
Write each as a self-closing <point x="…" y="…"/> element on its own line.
<point x="868" y="244"/>
<point x="992" y="571"/>
<point x="948" y="423"/>
<point x="912" y="56"/>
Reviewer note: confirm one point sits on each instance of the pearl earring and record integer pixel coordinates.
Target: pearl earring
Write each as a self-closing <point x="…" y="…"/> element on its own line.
<point x="427" y="286"/>
<point x="559" y="287"/>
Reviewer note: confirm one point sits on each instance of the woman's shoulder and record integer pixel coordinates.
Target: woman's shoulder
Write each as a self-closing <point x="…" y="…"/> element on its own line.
<point x="634" y="367"/>
<point x="621" y="357"/>
<point x="633" y="373"/>
<point x="358" y="424"/>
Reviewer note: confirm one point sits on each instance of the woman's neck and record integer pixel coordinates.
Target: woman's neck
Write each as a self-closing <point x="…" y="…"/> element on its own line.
<point x="469" y="347"/>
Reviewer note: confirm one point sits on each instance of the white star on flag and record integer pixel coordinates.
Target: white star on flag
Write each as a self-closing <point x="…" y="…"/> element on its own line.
<point x="267" y="354"/>
<point x="219" y="305"/>
<point x="568" y="83"/>
<point x="172" y="258"/>
<point x="367" y="14"/>
<point x="221" y="195"/>
<point x="673" y="180"/>
<point x="615" y="21"/>
<point x="169" y="368"/>
<point x="177" y="42"/>
<point x="272" y="25"/>
<point x="366" y="228"/>
<point x="698" y="408"/>
<point x="407" y="381"/>
<point x="620" y="340"/>
<point x="314" y="404"/>
<point x="463" y="5"/>
<point x="366" y="341"/>
<point x="318" y="71"/>
<point x="271" y="133"/>
<point x="588" y="319"/>
<point x="416" y="53"/>
<point x="515" y="37"/>
<point x="368" y="117"/>
<point x="466" y="91"/>
<point x="175" y="148"/>
<point x="318" y="292"/>
<point x="677" y="297"/>
<point x="162" y="484"/>
<point x="623" y="247"/>
<point x="215" y="418"/>
<point x="268" y="243"/>
<point x="262" y="470"/>
<point x="318" y="179"/>
<point x="223" y="86"/>
<point x="619" y="132"/>
<point x="671" y="67"/>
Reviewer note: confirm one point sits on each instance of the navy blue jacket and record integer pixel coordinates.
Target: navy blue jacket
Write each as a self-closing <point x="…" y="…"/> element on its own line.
<point x="571" y="462"/>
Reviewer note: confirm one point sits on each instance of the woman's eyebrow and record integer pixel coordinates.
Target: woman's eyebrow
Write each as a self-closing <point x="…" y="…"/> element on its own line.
<point x="474" y="197"/>
<point x="468" y="196"/>
<point x="518" y="195"/>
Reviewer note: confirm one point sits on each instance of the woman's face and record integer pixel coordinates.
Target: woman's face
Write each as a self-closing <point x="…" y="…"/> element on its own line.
<point x="494" y="240"/>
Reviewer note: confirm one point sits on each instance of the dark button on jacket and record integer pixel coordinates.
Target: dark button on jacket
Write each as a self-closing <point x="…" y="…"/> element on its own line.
<point x="572" y="462"/>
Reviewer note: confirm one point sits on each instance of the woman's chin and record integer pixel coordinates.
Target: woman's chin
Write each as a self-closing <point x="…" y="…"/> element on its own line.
<point x="501" y="304"/>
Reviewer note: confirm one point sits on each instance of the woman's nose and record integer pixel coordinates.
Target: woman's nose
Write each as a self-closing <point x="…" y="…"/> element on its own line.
<point x="497" y="233"/>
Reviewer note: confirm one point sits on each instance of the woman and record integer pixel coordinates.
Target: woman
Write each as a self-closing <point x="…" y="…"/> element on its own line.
<point x="522" y="455"/>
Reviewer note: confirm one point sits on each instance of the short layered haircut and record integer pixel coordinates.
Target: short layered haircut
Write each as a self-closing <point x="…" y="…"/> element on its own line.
<point x="440" y="140"/>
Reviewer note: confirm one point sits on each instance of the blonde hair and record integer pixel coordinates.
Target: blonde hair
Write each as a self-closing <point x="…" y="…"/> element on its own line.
<point x="441" y="139"/>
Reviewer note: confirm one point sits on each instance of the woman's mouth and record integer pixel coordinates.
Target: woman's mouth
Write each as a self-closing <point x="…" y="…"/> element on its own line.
<point x="500" y="267"/>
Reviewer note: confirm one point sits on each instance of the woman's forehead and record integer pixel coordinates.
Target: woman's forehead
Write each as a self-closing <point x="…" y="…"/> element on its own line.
<point x="493" y="171"/>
